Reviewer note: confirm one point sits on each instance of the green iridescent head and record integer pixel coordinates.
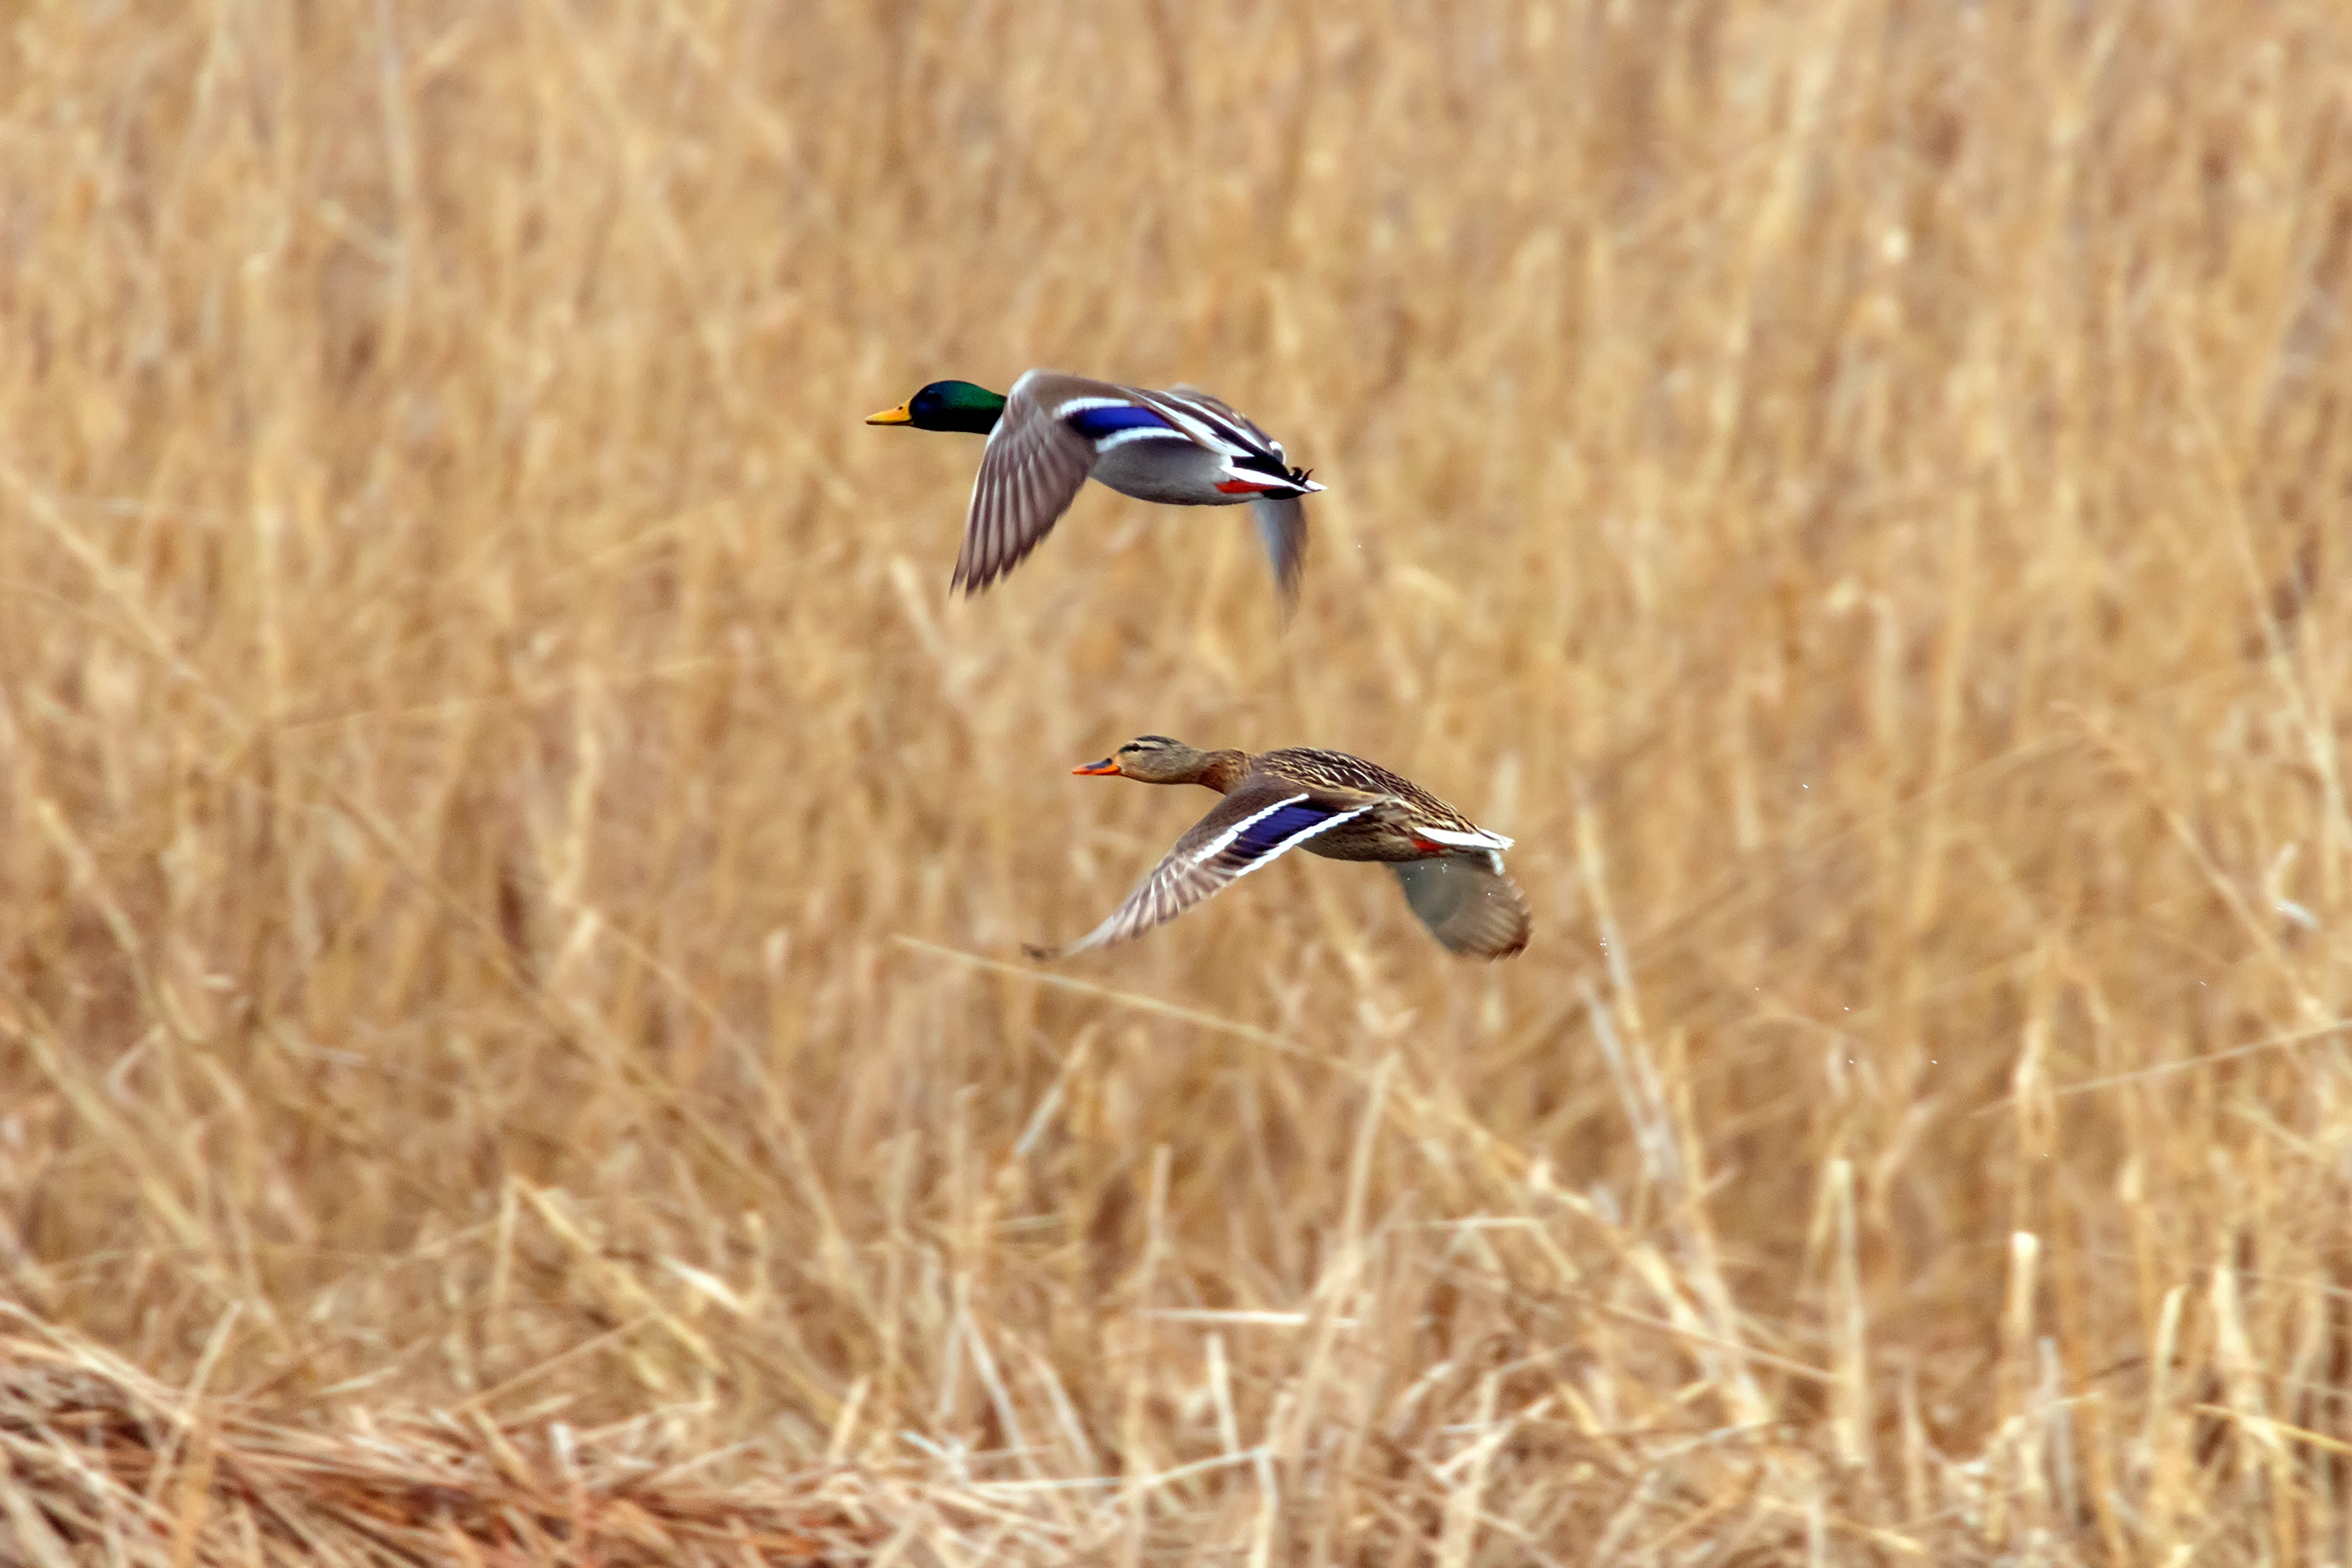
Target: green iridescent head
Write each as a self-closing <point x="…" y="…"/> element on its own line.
<point x="947" y="405"/>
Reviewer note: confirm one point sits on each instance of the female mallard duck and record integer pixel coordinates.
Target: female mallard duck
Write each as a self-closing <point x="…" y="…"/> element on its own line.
<point x="1327" y="803"/>
<point x="1182" y="447"/>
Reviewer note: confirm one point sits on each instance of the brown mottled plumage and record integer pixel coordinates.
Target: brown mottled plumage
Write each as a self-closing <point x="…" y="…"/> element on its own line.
<point x="1327" y="803"/>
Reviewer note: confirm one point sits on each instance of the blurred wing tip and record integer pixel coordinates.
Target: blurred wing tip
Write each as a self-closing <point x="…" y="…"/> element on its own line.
<point x="1282" y="529"/>
<point x="1509" y="945"/>
<point x="972" y="578"/>
<point x="1469" y="905"/>
<point x="1523" y="930"/>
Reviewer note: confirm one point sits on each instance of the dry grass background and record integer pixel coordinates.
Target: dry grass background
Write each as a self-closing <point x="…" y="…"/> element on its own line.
<point x="511" y="866"/>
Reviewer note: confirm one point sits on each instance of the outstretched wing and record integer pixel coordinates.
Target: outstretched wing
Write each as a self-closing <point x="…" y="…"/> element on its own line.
<point x="1468" y="902"/>
<point x="1030" y="471"/>
<point x="1282" y="523"/>
<point x="1249" y="451"/>
<point x="1260" y="821"/>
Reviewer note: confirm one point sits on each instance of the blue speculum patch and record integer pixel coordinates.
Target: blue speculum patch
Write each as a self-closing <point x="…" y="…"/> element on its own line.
<point x="1094" y="424"/>
<point x="1269" y="832"/>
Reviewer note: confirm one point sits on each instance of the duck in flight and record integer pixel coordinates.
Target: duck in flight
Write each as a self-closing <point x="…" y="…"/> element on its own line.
<point x="1181" y="447"/>
<point x="1327" y="803"/>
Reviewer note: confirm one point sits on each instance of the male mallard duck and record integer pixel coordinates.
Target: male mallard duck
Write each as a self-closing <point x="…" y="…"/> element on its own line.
<point x="1327" y="803"/>
<point x="1182" y="447"/>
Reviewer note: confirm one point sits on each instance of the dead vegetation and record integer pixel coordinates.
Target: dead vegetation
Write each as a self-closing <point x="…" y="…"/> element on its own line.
<point x="511" y="866"/>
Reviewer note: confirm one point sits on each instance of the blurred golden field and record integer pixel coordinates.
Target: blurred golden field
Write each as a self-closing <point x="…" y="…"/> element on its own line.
<point x="512" y="865"/>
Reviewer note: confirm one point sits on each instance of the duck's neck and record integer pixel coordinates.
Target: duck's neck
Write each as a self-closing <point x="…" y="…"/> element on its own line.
<point x="1222" y="770"/>
<point x="972" y="419"/>
<point x="959" y="405"/>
